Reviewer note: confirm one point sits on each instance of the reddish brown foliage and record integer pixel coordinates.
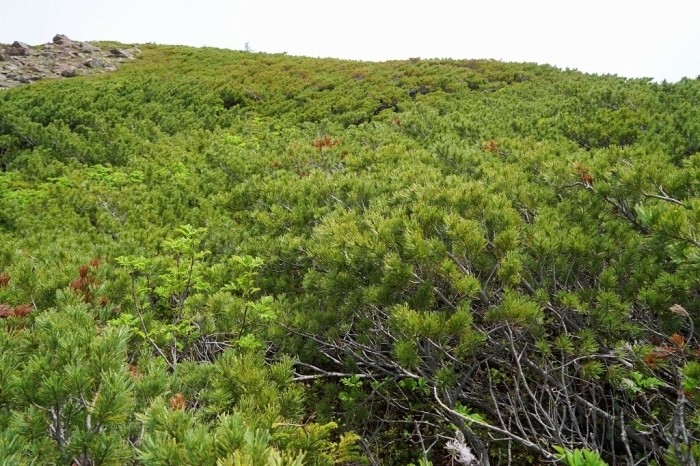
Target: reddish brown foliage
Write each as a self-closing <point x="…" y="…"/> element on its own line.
<point x="135" y="372"/>
<point x="4" y="279"/>
<point x="650" y="359"/>
<point x="676" y="339"/>
<point x="22" y="310"/>
<point x="5" y="310"/>
<point x="325" y="141"/>
<point x="19" y="311"/>
<point x="582" y="171"/>
<point x="77" y="285"/>
<point x="664" y="352"/>
<point x="104" y="301"/>
<point x="83" y="271"/>
<point x="177" y="402"/>
<point x="491" y="146"/>
<point x="87" y="278"/>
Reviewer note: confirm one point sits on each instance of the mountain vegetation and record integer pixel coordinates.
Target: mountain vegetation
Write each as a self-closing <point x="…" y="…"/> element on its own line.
<point x="211" y="257"/>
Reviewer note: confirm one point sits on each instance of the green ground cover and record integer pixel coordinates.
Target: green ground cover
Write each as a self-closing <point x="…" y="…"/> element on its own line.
<point x="220" y="257"/>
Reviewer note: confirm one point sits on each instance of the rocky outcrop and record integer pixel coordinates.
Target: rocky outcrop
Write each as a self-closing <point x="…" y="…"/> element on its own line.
<point x="62" y="58"/>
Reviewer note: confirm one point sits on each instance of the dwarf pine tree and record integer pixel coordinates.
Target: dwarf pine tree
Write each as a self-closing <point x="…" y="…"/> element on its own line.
<point x="216" y="257"/>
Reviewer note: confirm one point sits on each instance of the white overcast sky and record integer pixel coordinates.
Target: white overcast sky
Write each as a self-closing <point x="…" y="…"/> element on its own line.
<point x="659" y="39"/>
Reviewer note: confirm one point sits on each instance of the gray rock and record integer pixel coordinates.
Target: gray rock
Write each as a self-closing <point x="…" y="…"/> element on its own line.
<point x="18" y="49"/>
<point x="27" y="79"/>
<point x="65" y="70"/>
<point x="62" y="58"/>
<point x="86" y="47"/>
<point x="61" y="39"/>
<point x="121" y="53"/>
<point x="93" y="63"/>
<point x="68" y="72"/>
<point x="3" y="77"/>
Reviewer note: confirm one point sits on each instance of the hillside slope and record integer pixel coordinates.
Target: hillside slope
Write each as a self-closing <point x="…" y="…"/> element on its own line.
<point x="212" y="255"/>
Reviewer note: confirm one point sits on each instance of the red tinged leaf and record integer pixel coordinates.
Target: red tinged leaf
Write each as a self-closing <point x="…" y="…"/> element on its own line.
<point x="656" y="355"/>
<point x="491" y="146"/>
<point x="22" y="310"/>
<point x="6" y="311"/>
<point x="96" y="262"/>
<point x="4" y="279"/>
<point x="650" y="359"/>
<point x="177" y="402"/>
<point x="77" y="285"/>
<point x="677" y="340"/>
<point x="135" y="372"/>
<point x="324" y="141"/>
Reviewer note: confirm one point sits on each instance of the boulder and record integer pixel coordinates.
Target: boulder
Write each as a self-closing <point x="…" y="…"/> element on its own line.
<point x="27" y="78"/>
<point x="86" y="47"/>
<point x="93" y="63"/>
<point x="68" y="71"/>
<point x="18" y="49"/>
<point x="8" y="84"/>
<point x="65" y="70"/>
<point x="61" y="58"/>
<point x="121" y="53"/>
<point x="61" y="39"/>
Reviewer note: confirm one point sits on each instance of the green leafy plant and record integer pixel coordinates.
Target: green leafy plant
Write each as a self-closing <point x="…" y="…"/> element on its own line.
<point x="579" y="457"/>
